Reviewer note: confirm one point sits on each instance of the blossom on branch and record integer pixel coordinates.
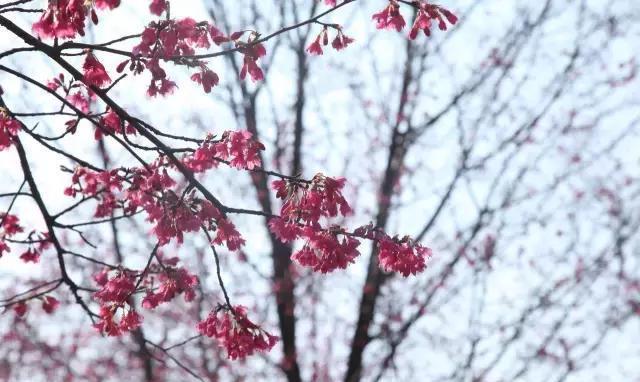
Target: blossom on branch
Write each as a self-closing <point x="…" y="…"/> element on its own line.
<point x="235" y="332"/>
<point x="390" y="17"/>
<point x="428" y="12"/>
<point x="94" y="72"/>
<point x="9" y="128"/>
<point x="66" y="18"/>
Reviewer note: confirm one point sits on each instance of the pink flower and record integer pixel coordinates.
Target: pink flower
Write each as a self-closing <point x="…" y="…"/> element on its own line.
<point x="117" y="289"/>
<point x="235" y="332"/>
<point x="94" y="72"/>
<point x="9" y="128"/>
<point x="341" y="41"/>
<point x="324" y="252"/>
<point x="207" y="78"/>
<point x="130" y="321"/>
<point x="80" y="101"/>
<point x="111" y="123"/>
<point x="174" y="281"/>
<point x="100" y="185"/>
<point x="107" y="323"/>
<point x="390" y="17"/>
<point x="226" y="232"/>
<point x="322" y="197"/>
<point x="237" y="148"/>
<point x="20" y="309"/>
<point x="50" y="304"/>
<point x="30" y="256"/>
<point x="251" y="55"/>
<point x="403" y="256"/>
<point x="428" y="12"/>
<point x="315" y="48"/>
<point x="104" y="4"/>
<point x="284" y="230"/>
<point x="62" y="19"/>
<point x="157" y="7"/>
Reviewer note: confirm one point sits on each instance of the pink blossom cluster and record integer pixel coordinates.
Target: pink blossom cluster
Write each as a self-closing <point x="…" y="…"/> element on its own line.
<point x="426" y="14"/>
<point x="9" y="128"/>
<point x="403" y="255"/>
<point x="168" y="39"/>
<point x="238" y="148"/>
<point x="49" y="305"/>
<point x="235" y="332"/>
<point x="77" y="94"/>
<point x="111" y="123"/>
<point x="66" y="18"/>
<point x="252" y="52"/>
<point x="94" y="72"/>
<point x="340" y="42"/>
<point x="40" y="242"/>
<point x="100" y="185"/>
<point x="117" y="315"/>
<point x="304" y="204"/>
<point x="391" y="18"/>
<point x="173" y="282"/>
<point x="9" y="226"/>
<point x="152" y="189"/>
<point x="328" y="249"/>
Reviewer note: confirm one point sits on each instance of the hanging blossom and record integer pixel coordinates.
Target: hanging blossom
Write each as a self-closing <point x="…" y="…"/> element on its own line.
<point x="50" y="304"/>
<point x="237" y="148"/>
<point x="158" y="7"/>
<point x="390" y="17"/>
<point x="427" y="13"/>
<point x="403" y="255"/>
<point x="20" y="308"/>
<point x="316" y="46"/>
<point x="77" y="93"/>
<point x="9" y="128"/>
<point x="117" y="315"/>
<point x="100" y="185"/>
<point x="173" y="40"/>
<point x="152" y="190"/>
<point x="9" y="227"/>
<point x="252" y="52"/>
<point x="340" y="42"/>
<point x="111" y="123"/>
<point x="327" y="249"/>
<point x="94" y="72"/>
<point x="66" y="18"/>
<point x="173" y="282"/>
<point x="304" y="204"/>
<point x="307" y="202"/>
<point x="235" y="332"/>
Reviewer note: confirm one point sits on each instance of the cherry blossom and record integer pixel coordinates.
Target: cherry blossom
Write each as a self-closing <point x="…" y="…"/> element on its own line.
<point x="173" y="282"/>
<point x="235" y="332"/>
<point x="9" y="226"/>
<point x="50" y="304"/>
<point x="403" y="256"/>
<point x="9" y="128"/>
<point x="428" y="12"/>
<point x="325" y="252"/>
<point x="20" y="308"/>
<point x="390" y="17"/>
<point x="94" y="72"/>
